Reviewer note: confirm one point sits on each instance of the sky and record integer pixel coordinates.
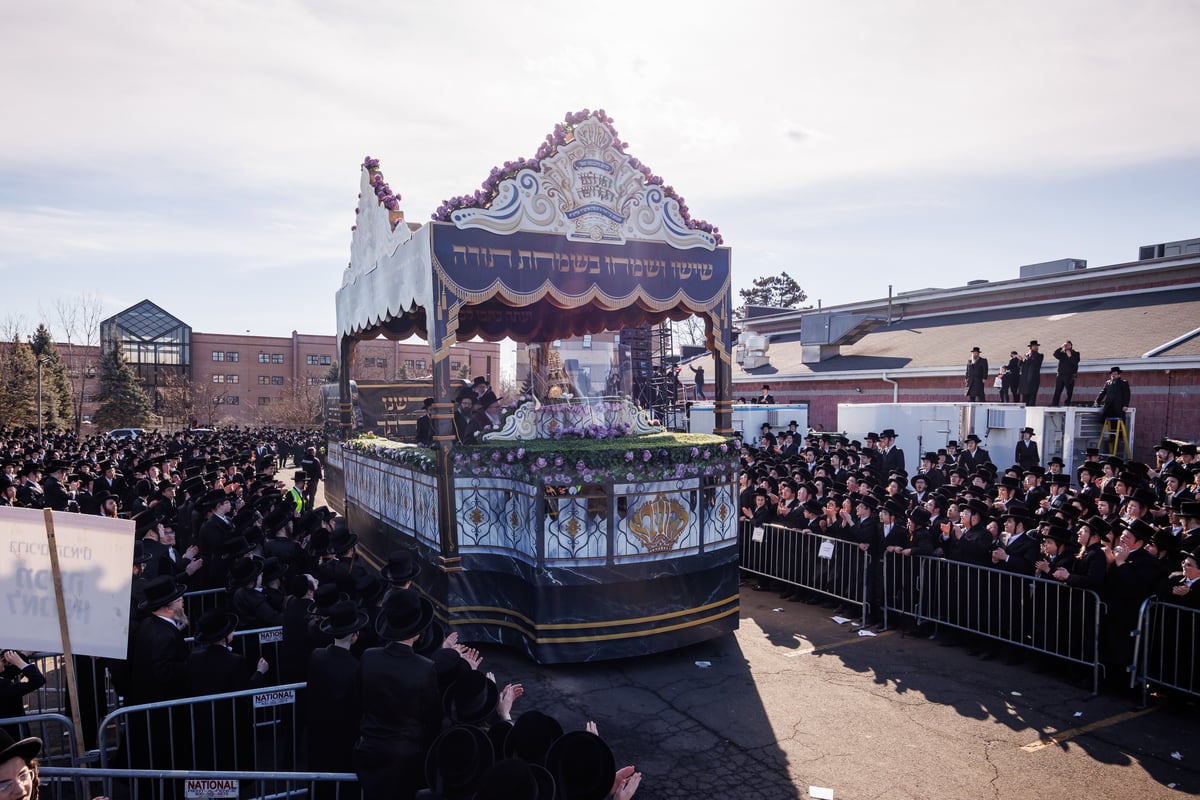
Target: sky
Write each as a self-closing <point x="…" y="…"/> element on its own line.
<point x="206" y="154"/>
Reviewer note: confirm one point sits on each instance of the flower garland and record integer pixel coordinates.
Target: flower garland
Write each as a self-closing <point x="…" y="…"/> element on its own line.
<point x="563" y="133"/>
<point x="643" y="459"/>
<point x="415" y="457"/>
<point x="383" y="192"/>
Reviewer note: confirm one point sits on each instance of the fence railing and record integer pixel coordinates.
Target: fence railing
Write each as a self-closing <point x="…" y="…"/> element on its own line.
<point x="201" y="601"/>
<point x="247" y="730"/>
<point x="1036" y="614"/>
<point x="74" y="783"/>
<point x="56" y="732"/>
<point x="1168" y="641"/>
<point x="821" y="564"/>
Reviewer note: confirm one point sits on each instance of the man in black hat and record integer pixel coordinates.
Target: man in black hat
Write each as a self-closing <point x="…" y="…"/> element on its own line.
<point x="297" y="497"/>
<point x="974" y="456"/>
<point x="976" y="376"/>
<point x="1068" y="366"/>
<point x="54" y="487"/>
<point x="404" y="714"/>
<point x="464" y="414"/>
<point x="1026" y="455"/>
<point x="1031" y="374"/>
<point x="892" y="457"/>
<point x="425" y="423"/>
<point x="766" y="398"/>
<point x="311" y="464"/>
<point x="1132" y="578"/>
<point x="158" y="672"/>
<point x="29" y="490"/>
<point x="334" y="702"/>
<point x="1012" y="379"/>
<point x="213" y="668"/>
<point x="1113" y="400"/>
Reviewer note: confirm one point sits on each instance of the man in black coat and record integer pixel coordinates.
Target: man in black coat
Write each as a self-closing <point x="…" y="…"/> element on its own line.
<point x="974" y="456"/>
<point x="1027" y="456"/>
<point x="1113" y="400"/>
<point x="225" y="738"/>
<point x="1031" y="374"/>
<point x="334" y="699"/>
<point x="158" y="671"/>
<point x="404" y="714"/>
<point x="425" y="423"/>
<point x="1012" y="379"/>
<point x="893" y="457"/>
<point x="54" y="487"/>
<point x="1068" y="366"/>
<point x="1133" y="577"/>
<point x="976" y="376"/>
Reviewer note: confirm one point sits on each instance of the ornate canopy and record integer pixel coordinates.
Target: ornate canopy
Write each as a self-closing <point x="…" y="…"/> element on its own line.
<point x="580" y="240"/>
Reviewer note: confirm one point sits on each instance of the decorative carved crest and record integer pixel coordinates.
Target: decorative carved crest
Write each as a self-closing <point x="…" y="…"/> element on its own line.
<point x="587" y="191"/>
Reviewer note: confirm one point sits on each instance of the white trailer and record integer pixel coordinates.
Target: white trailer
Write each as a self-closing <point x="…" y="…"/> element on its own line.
<point x="749" y="417"/>
<point x="926" y="427"/>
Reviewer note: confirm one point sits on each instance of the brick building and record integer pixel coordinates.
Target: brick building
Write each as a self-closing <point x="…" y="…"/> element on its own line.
<point x="241" y="379"/>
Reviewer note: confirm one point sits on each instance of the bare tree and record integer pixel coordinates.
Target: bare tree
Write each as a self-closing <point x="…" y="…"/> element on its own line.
<point x="79" y="324"/>
<point x="689" y="332"/>
<point x="298" y="407"/>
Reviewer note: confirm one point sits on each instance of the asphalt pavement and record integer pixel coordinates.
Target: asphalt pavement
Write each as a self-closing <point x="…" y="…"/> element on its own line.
<point x="794" y="703"/>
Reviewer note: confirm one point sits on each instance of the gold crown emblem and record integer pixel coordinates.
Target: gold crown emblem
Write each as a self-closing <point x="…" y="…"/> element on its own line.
<point x="659" y="524"/>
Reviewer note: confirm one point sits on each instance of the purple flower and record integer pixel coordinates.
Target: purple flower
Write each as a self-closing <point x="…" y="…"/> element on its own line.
<point x="580" y="466"/>
<point x="628" y="455"/>
<point x="496" y="456"/>
<point x="540" y="463"/>
<point x="695" y="452"/>
<point x="520" y="452"/>
<point x="646" y="456"/>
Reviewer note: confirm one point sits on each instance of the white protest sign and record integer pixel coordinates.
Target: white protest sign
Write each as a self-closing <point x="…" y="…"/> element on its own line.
<point x="95" y="557"/>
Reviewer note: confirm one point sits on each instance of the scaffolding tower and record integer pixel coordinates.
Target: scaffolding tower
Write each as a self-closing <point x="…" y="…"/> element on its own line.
<point x="653" y="365"/>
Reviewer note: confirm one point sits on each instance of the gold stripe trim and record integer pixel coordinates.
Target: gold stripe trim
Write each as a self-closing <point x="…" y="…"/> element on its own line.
<point x="591" y="625"/>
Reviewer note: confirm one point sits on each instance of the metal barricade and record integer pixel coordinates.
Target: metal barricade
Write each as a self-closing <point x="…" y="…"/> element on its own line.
<point x="1038" y="614"/>
<point x="72" y="783"/>
<point x="96" y="688"/>
<point x="252" y="729"/>
<point x="197" y="603"/>
<point x="56" y="732"/>
<point x="1167" y="647"/>
<point x="824" y="565"/>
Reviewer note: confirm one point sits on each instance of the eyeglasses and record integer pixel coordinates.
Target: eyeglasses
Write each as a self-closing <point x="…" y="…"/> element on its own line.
<point x="24" y="779"/>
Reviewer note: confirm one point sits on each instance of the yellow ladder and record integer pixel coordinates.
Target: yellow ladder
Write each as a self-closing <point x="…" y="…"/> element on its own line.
<point x="1118" y="433"/>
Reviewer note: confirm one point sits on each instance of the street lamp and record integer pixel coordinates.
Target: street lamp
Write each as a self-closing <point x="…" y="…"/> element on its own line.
<point x="40" y="362"/>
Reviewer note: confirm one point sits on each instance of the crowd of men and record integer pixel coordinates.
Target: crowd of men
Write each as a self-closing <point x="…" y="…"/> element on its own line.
<point x="1122" y="528"/>
<point x="390" y="695"/>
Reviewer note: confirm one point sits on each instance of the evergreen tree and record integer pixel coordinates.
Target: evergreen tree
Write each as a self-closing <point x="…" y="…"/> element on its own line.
<point x="57" y="406"/>
<point x="123" y="401"/>
<point x="18" y="385"/>
<point x="775" y="291"/>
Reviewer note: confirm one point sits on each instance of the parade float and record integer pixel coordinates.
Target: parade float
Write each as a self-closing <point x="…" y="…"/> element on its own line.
<point x="577" y="527"/>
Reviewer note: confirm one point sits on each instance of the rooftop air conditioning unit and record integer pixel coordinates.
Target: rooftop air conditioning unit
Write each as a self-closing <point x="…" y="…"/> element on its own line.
<point x="751" y="350"/>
